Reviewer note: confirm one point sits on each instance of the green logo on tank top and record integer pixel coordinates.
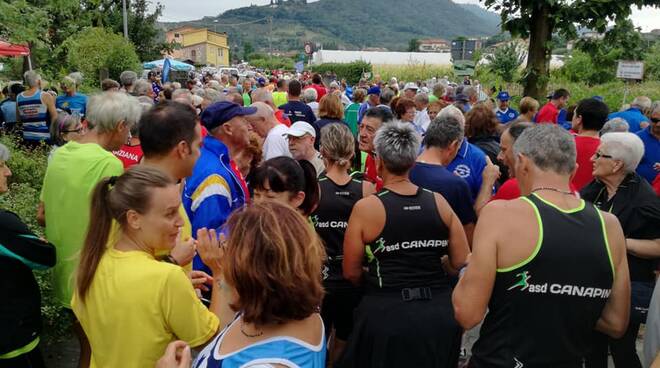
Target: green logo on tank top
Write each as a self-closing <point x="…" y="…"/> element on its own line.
<point x="524" y="277"/>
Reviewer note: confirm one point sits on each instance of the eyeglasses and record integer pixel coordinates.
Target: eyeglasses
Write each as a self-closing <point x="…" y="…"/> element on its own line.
<point x="655" y="120"/>
<point x="73" y="130"/>
<point x="599" y="155"/>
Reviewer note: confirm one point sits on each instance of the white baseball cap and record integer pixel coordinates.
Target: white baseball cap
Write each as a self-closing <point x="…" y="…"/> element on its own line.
<point x="300" y="128"/>
<point x="410" y="85"/>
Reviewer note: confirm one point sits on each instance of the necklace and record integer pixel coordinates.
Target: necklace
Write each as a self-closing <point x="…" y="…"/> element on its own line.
<point x="552" y="190"/>
<point x="249" y="335"/>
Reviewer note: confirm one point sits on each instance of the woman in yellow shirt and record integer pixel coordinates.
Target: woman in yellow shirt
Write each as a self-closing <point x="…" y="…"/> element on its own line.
<point x="129" y="304"/>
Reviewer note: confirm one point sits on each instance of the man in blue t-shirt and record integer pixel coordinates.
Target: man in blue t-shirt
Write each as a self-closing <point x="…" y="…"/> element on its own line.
<point x="71" y="101"/>
<point x="295" y="109"/>
<point x="504" y="112"/>
<point x="442" y="137"/>
<point x="373" y="100"/>
<point x="635" y="114"/>
<point x="649" y="167"/>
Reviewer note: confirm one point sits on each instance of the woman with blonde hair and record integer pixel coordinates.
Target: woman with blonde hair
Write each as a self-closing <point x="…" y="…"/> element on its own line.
<point x="339" y="193"/>
<point x="271" y="281"/>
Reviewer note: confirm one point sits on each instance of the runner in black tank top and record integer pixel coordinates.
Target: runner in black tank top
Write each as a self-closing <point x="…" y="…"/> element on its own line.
<point x="546" y="271"/>
<point x="405" y="318"/>
<point x="330" y="220"/>
<point x="539" y="317"/>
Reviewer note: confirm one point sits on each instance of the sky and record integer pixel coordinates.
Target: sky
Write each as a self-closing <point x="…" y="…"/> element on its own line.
<point x="178" y="10"/>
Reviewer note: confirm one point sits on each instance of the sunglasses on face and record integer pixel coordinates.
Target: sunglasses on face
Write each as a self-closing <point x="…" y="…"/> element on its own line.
<point x="655" y="120"/>
<point x="599" y="155"/>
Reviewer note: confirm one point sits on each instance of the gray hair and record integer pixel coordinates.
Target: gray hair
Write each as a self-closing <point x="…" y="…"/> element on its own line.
<point x="212" y="95"/>
<point x="127" y="78"/>
<point x="263" y="110"/>
<point x="397" y="144"/>
<point x="641" y="102"/>
<point x="655" y="108"/>
<point x="77" y="77"/>
<point x="32" y="78"/>
<point x="549" y="146"/>
<point x="454" y="112"/>
<point x="442" y="131"/>
<point x="422" y="98"/>
<point x="615" y="125"/>
<point x="106" y="110"/>
<point x="262" y="95"/>
<point x="5" y="154"/>
<point x="469" y="91"/>
<point x="309" y="95"/>
<point x="386" y="96"/>
<point x="142" y="87"/>
<point x="624" y="146"/>
<point x="181" y="95"/>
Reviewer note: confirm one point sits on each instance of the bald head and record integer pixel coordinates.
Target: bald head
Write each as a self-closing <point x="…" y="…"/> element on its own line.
<point x="263" y="120"/>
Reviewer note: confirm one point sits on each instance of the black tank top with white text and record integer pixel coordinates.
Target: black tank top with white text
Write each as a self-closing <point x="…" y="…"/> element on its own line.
<point x="330" y="220"/>
<point x="543" y="310"/>
<point x="408" y="251"/>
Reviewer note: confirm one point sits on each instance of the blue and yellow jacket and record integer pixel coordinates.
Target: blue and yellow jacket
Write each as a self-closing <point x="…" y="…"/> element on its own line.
<point x="213" y="191"/>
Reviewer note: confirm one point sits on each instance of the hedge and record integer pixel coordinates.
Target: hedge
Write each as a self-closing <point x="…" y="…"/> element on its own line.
<point x="352" y="72"/>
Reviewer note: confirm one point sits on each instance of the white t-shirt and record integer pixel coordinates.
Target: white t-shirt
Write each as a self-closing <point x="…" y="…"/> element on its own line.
<point x="275" y="144"/>
<point x="422" y="119"/>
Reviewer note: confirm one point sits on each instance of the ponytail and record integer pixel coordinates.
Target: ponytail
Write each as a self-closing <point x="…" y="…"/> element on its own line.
<point x="98" y="232"/>
<point x="311" y="188"/>
<point x="111" y="199"/>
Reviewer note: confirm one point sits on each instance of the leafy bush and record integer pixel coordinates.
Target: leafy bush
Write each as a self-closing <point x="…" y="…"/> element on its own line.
<point x="94" y="49"/>
<point x="273" y="63"/>
<point x="506" y="60"/>
<point x="28" y="168"/>
<point x="652" y="63"/>
<point x="352" y="72"/>
<point x="578" y="68"/>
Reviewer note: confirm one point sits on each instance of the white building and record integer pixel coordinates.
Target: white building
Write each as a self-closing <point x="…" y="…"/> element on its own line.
<point x="382" y="58"/>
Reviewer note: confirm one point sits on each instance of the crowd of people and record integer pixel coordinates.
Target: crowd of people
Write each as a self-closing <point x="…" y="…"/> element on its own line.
<point x="302" y="222"/>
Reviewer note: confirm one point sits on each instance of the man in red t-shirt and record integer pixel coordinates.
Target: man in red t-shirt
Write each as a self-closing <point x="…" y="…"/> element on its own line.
<point x="372" y="121"/>
<point x="588" y="119"/>
<point x="550" y="111"/>
<point x="317" y="84"/>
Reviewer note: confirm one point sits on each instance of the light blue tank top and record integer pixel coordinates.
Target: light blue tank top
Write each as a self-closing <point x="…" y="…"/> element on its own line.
<point x="284" y="350"/>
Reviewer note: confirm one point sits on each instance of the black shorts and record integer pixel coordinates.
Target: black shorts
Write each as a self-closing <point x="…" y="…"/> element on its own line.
<point x="337" y="310"/>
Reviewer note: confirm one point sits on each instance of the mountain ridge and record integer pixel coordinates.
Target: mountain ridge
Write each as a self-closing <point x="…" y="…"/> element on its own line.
<point x="349" y="24"/>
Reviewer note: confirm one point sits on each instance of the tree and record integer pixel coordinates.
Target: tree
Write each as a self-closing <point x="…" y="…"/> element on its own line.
<point x="505" y="60"/>
<point x="621" y="42"/>
<point x="413" y="45"/>
<point x="142" y="30"/>
<point x="95" y="49"/>
<point x="540" y="19"/>
<point x="248" y="50"/>
<point x="22" y="22"/>
<point x="652" y="62"/>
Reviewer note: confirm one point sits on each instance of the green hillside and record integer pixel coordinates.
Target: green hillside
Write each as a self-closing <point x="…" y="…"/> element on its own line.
<point x="350" y="24"/>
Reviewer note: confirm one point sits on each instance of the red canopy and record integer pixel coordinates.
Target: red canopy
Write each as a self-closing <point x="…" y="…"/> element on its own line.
<point x="8" y="49"/>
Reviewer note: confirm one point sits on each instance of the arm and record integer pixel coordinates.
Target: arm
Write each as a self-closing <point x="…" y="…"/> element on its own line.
<point x="368" y="188"/>
<point x="49" y="101"/>
<point x="471" y="295"/>
<point x="19" y="243"/>
<point x="644" y="248"/>
<point x="211" y="250"/>
<point x="490" y="174"/>
<point x="458" y="244"/>
<point x="41" y="214"/>
<point x="614" y="318"/>
<point x="354" y="243"/>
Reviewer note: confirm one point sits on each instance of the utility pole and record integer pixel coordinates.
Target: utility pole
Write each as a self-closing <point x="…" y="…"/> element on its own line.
<point x="125" y="15"/>
<point x="270" y="37"/>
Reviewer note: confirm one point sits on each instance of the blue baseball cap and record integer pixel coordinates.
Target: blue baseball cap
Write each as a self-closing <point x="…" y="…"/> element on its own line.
<point x="375" y="90"/>
<point x="598" y="98"/>
<point x="503" y="96"/>
<point x="223" y="111"/>
<point x="261" y="81"/>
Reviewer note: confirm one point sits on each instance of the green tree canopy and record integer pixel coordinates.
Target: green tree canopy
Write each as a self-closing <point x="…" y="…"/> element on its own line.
<point x="95" y="49"/>
<point x="540" y="19"/>
<point x="505" y="60"/>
